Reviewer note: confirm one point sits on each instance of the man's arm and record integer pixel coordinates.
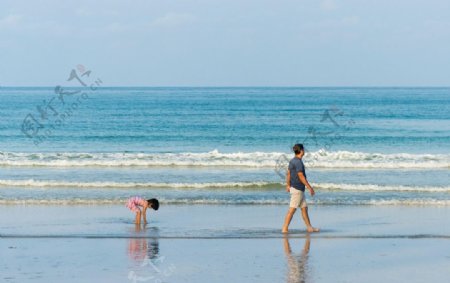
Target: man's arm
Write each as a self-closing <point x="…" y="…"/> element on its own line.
<point x="305" y="182"/>
<point x="288" y="181"/>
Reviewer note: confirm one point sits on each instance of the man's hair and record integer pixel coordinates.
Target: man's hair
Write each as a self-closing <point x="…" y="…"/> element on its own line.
<point x="298" y="148"/>
<point x="154" y="203"/>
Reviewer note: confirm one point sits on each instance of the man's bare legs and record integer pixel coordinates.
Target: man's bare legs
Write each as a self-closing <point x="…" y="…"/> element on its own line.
<point x="288" y="219"/>
<point x="305" y="216"/>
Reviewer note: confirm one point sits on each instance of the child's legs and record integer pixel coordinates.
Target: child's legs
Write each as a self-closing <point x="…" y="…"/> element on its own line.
<point x="133" y="207"/>
<point x="138" y="217"/>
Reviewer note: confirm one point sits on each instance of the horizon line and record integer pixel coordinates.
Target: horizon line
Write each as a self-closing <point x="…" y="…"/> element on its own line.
<point x="234" y="86"/>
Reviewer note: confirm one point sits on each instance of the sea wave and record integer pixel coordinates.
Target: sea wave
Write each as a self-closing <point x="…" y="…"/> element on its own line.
<point x="200" y="201"/>
<point x="278" y="160"/>
<point x="134" y="185"/>
<point x="261" y="185"/>
<point x="380" y="188"/>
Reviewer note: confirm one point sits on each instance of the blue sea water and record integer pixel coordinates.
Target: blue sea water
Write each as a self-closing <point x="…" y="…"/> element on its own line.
<point x="365" y="146"/>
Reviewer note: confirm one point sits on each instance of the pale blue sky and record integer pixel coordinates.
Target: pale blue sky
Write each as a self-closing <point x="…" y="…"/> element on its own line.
<point x="227" y="42"/>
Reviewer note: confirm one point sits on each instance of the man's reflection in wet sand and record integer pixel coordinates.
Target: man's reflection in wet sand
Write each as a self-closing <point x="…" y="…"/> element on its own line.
<point x="142" y="248"/>
<point x="297" y="263"/>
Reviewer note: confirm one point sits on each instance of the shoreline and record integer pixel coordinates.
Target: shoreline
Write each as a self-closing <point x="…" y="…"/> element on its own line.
<point x="223" y="243"/>
<point x="227" y="220"/>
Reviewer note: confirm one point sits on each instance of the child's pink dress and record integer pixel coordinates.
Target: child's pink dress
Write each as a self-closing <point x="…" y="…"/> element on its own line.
<point x="134" y="202"/>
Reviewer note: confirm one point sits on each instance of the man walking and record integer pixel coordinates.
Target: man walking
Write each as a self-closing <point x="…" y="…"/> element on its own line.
<point x="295" y="185"/>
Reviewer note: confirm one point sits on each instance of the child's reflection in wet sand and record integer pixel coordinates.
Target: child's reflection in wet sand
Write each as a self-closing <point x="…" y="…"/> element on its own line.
<point x="142" y="248"/>
<point x="144" y="252"/>
<point x="297" y="263"/>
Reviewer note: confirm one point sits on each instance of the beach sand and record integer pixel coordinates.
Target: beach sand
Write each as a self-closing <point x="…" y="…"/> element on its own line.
<point x="223" y="243"/>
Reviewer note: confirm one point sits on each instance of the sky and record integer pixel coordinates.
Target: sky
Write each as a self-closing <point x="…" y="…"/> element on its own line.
<point x="227" y="42"/>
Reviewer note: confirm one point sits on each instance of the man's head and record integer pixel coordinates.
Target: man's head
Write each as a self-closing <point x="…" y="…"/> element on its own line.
<point x="153" y="203"/>
<point x="299" y="150"/>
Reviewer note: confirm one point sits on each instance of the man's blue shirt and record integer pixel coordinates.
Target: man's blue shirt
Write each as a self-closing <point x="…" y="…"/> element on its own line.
<point x="295" y="166"/>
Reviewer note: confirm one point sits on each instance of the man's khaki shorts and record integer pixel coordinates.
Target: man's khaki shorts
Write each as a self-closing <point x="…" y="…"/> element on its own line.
<point x="297" y="198"/>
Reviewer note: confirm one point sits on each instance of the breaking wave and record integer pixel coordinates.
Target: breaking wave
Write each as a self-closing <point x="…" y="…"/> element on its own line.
<point x="317" y="159"/>
<point x="32" y="183"/>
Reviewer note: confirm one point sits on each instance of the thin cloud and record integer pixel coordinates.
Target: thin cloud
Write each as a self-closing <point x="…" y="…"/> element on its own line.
<point x="350" y="21"/>
<point x="173" y="20"/>
<point x="11" y="21"/>
<point x="328" y="5"/>
<point x="84" y="12"/>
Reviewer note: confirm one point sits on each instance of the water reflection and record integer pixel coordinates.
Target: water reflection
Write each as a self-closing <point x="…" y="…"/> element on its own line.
<point x="297" y="263"/>
<point x="141" y="248"/>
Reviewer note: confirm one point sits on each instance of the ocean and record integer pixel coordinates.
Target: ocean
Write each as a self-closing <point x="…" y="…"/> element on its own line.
<point x="227" y="145"/>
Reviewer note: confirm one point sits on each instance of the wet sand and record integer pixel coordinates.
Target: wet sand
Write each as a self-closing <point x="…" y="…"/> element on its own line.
<point x="217" y="243"/>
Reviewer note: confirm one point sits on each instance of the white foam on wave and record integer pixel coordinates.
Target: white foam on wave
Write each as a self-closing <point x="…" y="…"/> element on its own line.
<point x="64" y="184"/>
<point x="32" y="183"/>
<point x="212" y="158"/>
<point x="412" y="202"/>
<point x="365" y="160"/>
<point x="380" y="188"/>
<point x="79" y="201"/>
<point x="317" y="159"/>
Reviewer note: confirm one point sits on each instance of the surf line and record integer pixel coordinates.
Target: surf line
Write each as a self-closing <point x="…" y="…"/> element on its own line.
<point x="231" y="237"/>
